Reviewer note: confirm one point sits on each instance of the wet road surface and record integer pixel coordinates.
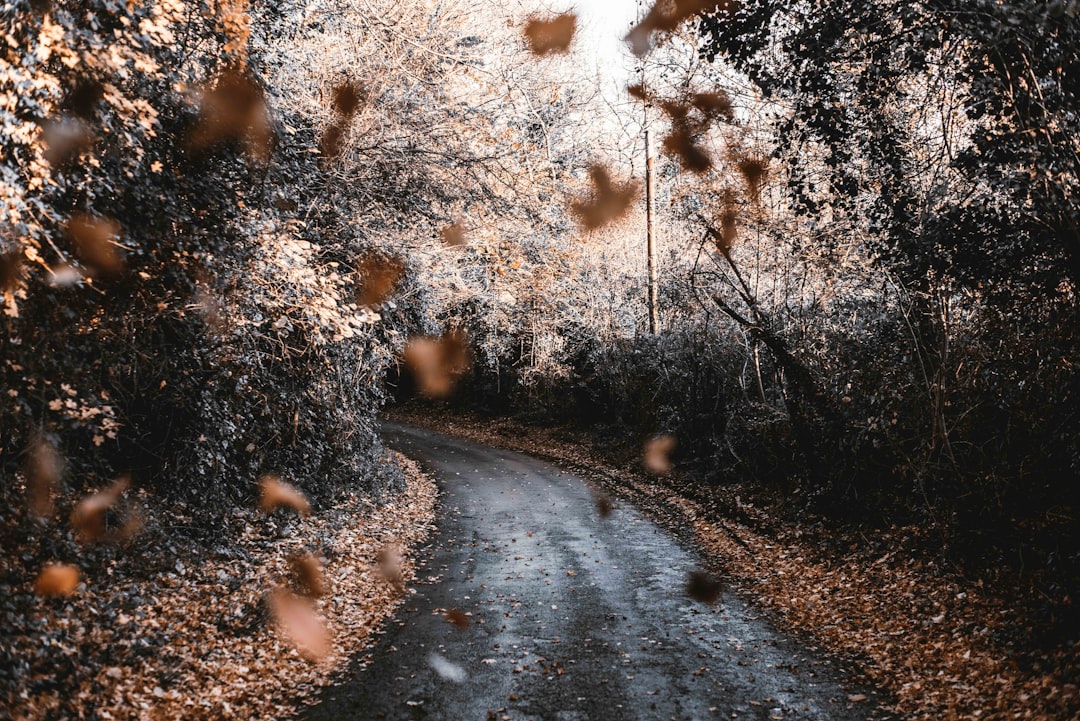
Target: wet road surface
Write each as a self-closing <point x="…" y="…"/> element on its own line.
<point x="573" y="617"/>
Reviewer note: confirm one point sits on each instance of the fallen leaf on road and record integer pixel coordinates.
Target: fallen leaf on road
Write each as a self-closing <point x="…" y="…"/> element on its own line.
<point x="703" y="587"/>
<point x="457" y="617"/>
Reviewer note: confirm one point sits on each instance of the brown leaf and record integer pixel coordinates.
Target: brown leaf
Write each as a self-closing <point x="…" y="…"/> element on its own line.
<point x="94" y="244"/>
<point x="712" y="105"/>
<point x="453" y="235"/>
<point x="388" y="561"/>
<point x="551" y="36"/>
<point x="234" y="108"/>
<point x="275" y="493"/>
<point x="90" y="516"/>
<point x="11" y="270"/>
<point x="378" y="278"/>
<point x="609" y="202"/>
<point x="680" y="143"/>
<point x="458" y="617"/>
<point x="753" y="171"/>
<point x="83" y="97"/>
<point x="308" y="573"/>
<point x="666" y="15"/>
<point x="332" y="140"/>
<point x="676" y="111"/>
<point x="725" y="239"/>
<point x="44" y="467"/>
<point x="657" y="455"/>
<point x="604" y="506"/>
<point x="57" y="579"/>
<point x="437" y="364"/>
<point x="703" y="587"/>
<point x="64" y="139"/>
<point x="728" y="232"/>
<point x="347" y="97"/>
<point x="298" y="622"/>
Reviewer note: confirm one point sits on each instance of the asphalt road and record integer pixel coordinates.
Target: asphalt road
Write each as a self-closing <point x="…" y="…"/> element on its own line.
<point x="573" y="616"/>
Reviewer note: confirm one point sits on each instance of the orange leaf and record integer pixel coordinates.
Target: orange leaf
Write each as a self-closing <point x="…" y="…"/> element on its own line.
<point x="57" y="579"/>
<point x="276" y="492"/>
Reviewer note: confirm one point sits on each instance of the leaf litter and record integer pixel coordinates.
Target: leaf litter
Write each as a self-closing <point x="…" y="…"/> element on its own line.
<point x="170" y="626"/>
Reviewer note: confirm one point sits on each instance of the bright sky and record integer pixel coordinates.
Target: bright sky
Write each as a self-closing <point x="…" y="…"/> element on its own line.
<point x="602" y="25"/>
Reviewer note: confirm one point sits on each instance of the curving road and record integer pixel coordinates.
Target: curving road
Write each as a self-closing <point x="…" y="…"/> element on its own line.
<point x="573" y="616"/>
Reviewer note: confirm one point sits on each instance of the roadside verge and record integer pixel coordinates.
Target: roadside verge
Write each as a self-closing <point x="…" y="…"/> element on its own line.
<point x="167" y="628"/>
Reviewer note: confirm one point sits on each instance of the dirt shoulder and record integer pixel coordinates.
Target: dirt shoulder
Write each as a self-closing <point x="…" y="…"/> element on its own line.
<point x="945" y="646"/>
<point x="162" y="628"/>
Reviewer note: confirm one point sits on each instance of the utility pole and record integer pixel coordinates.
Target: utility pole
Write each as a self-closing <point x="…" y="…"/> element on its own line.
<point x="650" y="196"/>
<point x="650" y="231"/>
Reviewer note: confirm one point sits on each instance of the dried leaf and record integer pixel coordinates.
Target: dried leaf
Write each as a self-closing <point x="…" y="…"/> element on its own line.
<point x="453" y="235"/>
<point x="458" y="617"/>
<point x="298" y="622"/>
<point x="680" y="143"/>
<point x="639" y="91"/>
<point x="604" y="506"/>
<point x="11" y="270"/>
<point x="753" y="171"/>
<point x="676" y="111"/>
<point x="44" y="467"/>
<point x="666" y="15"/>
<point x="275" y="493"/>
<point x="550" y="36"/>
<point x="93" y="240"/>
<point x="713" y="105"/>
<point x="388" y="561"/>
<point x="347" y="97"/>
<point x="609" y="202"/>
<point x="657" y="455"/>
<point x="308" y="573"/>
<point x="437" y="364"/>
<point x="84" y="96"/>
<point x="90" y="516"/>
<point x="234" y="108"/>
<point x="703" y="587"/>
<point x="57" y="579"/>
<point x="378" y="278"/>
